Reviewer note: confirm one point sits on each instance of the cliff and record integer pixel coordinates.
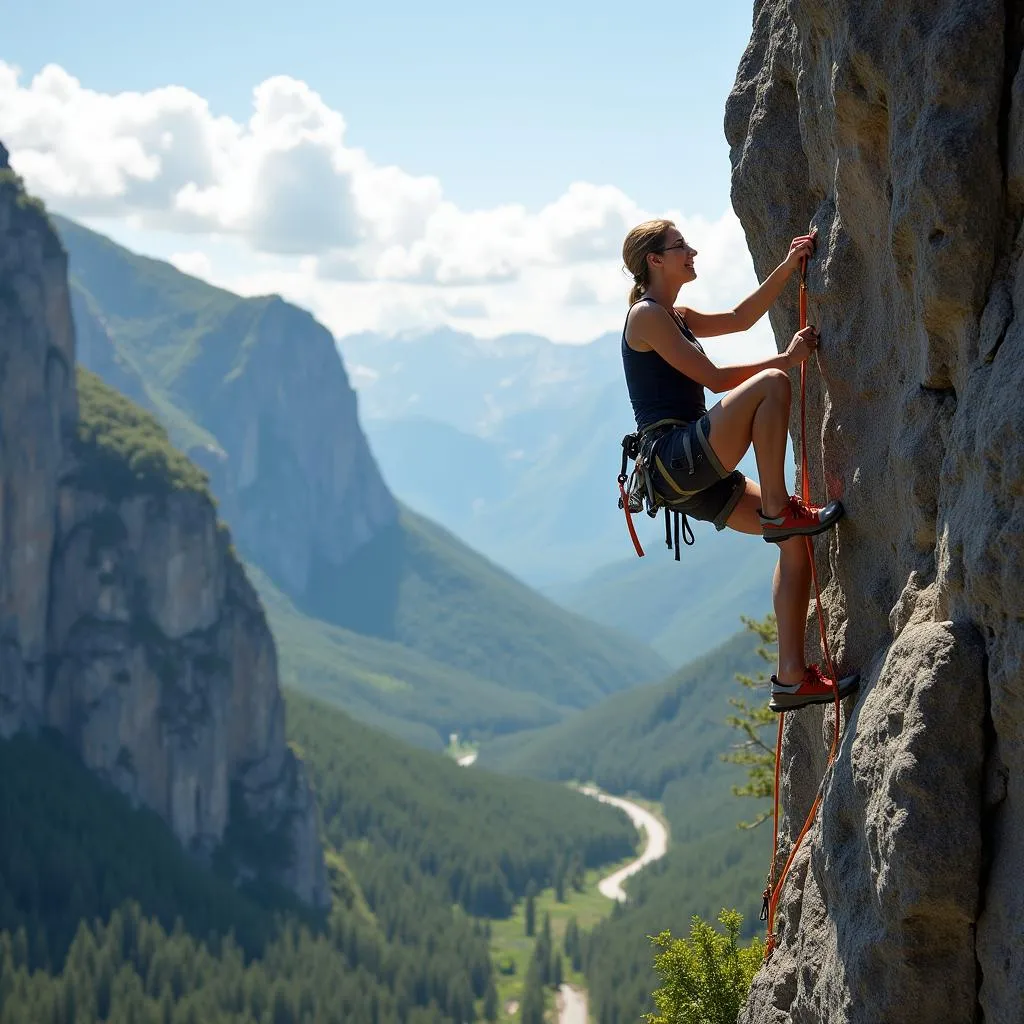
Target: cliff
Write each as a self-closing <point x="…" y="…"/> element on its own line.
<point x="897" y="132"/>
<point x="127" y="621"/>
<point x="253" y="390"/>
<point x="301" y="488"/>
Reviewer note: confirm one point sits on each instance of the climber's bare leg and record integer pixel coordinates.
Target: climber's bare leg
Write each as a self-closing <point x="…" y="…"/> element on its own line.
<point x="791" y="586"/>
<point x="756" y="412"/>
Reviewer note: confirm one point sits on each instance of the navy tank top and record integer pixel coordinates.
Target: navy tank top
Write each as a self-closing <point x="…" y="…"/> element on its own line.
<point x="657" y="390"/>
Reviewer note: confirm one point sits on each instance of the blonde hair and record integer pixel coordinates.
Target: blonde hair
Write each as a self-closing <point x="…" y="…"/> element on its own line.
<point x="639" y="244"/>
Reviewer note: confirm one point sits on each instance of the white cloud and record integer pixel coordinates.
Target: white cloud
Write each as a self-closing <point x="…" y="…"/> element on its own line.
<point x="465" y="307"/>
<point x="195" y="263"/>
<point x="588" y="222"/>
<point x="579" y="292"/>
<point x="361" y="375"/>
<point x="302" y="203"/>
<point x="290" y="206"/>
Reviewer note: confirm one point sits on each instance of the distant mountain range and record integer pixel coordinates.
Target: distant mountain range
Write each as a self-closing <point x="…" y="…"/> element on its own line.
<point x="514" y="445"/>
<point x="494" y="388"/>
<point x="682" y="609"/>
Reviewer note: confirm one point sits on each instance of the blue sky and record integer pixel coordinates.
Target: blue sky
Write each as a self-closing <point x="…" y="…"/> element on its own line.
<point x="497" y="100"/>
<point x="501" y="121"/>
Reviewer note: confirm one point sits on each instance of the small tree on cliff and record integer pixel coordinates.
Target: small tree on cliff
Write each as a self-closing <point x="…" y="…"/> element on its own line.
<point x="755" y="751"/>
<point x="704" y="979"/>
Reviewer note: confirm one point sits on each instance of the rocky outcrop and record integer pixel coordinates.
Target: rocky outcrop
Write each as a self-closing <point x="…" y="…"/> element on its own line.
<point x="295" y="477"/>
<point x="127" y="621"/>
<point x="164" y="674"/>
<point x="898" y="131"/>
<point x="37" y="410"/>
<point x="254" y="390"/>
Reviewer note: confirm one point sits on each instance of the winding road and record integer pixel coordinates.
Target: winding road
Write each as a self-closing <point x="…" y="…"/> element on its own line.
<point x="572" y="1005"/>
<point x="657" y="842"/>
<point x="572" y="1002"/>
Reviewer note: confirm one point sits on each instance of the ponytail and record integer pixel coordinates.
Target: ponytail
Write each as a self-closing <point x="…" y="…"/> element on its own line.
<point x="643" y="239"/>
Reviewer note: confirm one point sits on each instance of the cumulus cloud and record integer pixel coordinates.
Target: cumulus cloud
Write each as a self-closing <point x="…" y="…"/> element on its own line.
<point x="466" y="308"/>
<point x="290" y="206"/>
<point x="104" y="155"/>
<point x="301" y="203"/>
<point x="580" y="293"/>
<point x="588" y="222"/>
<point x="195" y="263"/>
<point x="286" y="182"/>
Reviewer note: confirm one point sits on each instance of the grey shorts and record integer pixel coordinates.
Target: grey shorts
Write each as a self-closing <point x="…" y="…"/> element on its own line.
<point x="691" y="479"/>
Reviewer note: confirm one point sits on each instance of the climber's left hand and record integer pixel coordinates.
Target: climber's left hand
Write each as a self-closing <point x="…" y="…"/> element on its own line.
<point x="801" y="246"/>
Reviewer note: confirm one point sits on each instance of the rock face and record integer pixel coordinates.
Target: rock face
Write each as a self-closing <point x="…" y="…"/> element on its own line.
<point x="127" y="622"/>
<point x="37" y="410"/>
<point x="898" y="132"/>
<point x="296" y="481"/>
<point x="253" y="390"/>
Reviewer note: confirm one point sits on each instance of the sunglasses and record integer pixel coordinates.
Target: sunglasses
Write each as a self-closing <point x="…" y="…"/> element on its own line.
<point x="681" y="244"/>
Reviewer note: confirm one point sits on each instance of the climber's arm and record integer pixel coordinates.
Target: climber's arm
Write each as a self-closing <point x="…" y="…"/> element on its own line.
<point x="651" y="327"/>
<point x="755" y="305"/>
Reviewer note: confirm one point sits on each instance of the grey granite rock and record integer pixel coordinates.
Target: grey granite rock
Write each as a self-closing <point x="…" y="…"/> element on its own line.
<point x="126" y="620"/>
<point x="896" y="130"/>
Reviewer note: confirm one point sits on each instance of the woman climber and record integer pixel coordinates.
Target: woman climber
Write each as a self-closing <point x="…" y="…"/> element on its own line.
<point x="693" y="452"/>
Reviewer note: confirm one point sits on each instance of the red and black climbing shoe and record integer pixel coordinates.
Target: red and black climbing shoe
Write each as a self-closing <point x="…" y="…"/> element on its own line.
<point x="800" y="520"/>
<point x="814" y="688"/>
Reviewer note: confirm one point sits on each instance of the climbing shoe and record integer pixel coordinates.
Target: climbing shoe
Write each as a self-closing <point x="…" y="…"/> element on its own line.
<point x="814" y="688"/>
<point x="799" y="520"/>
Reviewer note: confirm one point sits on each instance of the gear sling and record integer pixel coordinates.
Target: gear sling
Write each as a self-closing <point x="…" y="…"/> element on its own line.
<point x="637" y="492"/>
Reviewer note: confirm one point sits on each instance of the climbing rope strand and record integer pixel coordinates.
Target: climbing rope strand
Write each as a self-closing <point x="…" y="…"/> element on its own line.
<point x="805" y="487"/>
<point x="629" y="518"/>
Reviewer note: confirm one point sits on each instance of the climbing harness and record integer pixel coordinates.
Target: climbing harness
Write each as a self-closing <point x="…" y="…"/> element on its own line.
<point x="772" y="891"/>
<point x="637" y="492"/>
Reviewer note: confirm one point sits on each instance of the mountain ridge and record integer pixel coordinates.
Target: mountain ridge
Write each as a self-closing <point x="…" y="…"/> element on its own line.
<point x="395" y="577"/>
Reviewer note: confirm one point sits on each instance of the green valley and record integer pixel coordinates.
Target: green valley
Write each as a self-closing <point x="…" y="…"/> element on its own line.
<point x="390" y="686"/>
<point x="662" y="742"/>
<point x="415" y="635"/>
<point x="103" y="916"/>
<point x="407" y="628"/>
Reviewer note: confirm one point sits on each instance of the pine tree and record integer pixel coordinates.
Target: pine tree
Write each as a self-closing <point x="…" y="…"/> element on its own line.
<point x="542" y="952"/>
<point x="531" y="1009"/>
<point x="577" y="873"/>
<point x="531" y="910"/>
<point x="491" y="1001"/>
<point x="571" y="938"/>
<point x="556" y="971"/>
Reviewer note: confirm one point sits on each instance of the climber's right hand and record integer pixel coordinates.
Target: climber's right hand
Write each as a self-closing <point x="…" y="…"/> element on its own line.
<point x="803" y="344"/>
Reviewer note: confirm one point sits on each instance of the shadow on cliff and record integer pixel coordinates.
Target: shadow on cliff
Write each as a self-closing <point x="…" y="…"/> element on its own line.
<point x="363" y="595"/>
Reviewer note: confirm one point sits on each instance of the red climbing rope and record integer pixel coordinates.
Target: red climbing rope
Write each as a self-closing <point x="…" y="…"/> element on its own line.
<point x="624" y="497"/>
<point x="774" y="888"/>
